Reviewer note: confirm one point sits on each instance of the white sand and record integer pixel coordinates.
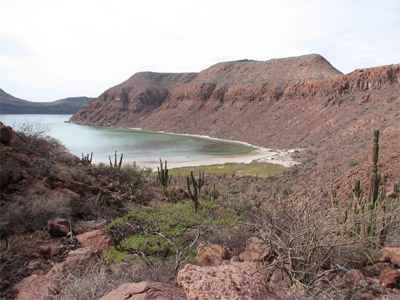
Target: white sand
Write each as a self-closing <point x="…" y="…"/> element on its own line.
<point x="280" y="157"/>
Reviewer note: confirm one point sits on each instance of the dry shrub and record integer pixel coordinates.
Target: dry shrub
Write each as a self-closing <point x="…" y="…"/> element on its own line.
<point x="100" y="278"/>
<point x="36" y="207"/>
<point x="308" y="238"/>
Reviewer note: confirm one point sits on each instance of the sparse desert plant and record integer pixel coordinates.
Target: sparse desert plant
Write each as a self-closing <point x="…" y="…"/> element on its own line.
<point x="36" y="207"/>
<point x="32" y="129"/>
<point x="99" y="278"/>
<point x="320" y="234"/>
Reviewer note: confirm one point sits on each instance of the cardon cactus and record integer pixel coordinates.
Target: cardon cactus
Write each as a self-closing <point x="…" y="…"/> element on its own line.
<point x="197" y="185"/>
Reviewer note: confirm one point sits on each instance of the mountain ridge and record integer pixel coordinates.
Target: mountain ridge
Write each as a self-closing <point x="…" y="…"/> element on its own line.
<point x="295" y="102"/>
<point x="12" y="105"/>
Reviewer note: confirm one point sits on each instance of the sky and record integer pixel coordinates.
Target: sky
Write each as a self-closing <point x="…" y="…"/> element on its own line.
<point x="53" y="49"/>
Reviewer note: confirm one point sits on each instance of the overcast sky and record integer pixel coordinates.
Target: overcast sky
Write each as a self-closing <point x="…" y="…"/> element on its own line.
<point x="52" y="49"/>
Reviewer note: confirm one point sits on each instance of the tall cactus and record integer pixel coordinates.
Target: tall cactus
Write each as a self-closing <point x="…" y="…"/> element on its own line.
<point x="375" y="177"/>
<point x="163" y="177"/>
<point x="197" y="185"/>
<point x="115" y="161"/>
<point x="372" y="212"/>
<point x="87" y="160"/>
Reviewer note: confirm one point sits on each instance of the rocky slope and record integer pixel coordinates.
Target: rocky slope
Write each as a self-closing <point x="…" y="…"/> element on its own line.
<point x="292" y="102"/>
<point x="12" y="105"/>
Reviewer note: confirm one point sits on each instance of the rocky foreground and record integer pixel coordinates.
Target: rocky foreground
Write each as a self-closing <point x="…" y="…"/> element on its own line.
<point x="55" y="208"/>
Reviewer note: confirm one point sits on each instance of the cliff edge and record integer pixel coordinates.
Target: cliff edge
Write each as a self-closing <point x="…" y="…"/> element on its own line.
<point x="279" y="103"/>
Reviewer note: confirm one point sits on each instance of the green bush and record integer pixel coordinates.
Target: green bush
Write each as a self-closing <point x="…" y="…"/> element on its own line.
<point x="169" y="232"/>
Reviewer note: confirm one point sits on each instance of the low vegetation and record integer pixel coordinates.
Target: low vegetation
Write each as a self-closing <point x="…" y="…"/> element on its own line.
<point x="169" y="214"/>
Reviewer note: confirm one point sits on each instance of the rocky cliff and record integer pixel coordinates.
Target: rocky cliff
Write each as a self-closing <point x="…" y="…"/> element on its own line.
<point x="290" y="102"/>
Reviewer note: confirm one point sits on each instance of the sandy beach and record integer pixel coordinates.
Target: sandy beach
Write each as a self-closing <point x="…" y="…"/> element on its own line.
<point x="280" y="157"/>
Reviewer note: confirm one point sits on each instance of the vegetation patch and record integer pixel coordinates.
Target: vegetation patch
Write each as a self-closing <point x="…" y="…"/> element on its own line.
<point x="255" y="169"/>
<point x="170" y="232"/>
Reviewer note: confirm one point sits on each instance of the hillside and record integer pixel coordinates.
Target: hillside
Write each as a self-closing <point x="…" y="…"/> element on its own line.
<point x="281" y="103"/>
<point x="12" y="105"/>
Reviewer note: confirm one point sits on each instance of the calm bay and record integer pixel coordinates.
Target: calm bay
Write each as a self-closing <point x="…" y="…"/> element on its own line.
<point x="143" y="147"/>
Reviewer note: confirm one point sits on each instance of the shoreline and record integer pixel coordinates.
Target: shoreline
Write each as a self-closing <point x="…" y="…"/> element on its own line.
<point x="259" y="154"/>
<point x="279" y="157"/>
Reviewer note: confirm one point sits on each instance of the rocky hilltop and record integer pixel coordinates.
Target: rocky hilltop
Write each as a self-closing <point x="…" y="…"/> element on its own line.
<point x="290" y="102"/>
<point x="12" y="105"/>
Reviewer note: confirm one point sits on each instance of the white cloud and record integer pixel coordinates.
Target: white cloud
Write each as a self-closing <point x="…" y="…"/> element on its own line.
<point x="61" y="48"/>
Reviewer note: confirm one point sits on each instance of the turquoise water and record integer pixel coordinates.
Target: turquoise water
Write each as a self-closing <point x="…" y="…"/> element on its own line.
<point x="142" y="147"/>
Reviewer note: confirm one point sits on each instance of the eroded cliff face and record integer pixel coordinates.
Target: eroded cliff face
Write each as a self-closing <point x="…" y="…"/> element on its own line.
<point x="282" y="103"/>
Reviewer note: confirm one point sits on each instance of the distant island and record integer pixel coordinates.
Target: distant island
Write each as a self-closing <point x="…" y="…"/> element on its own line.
<point x="12" y="105"/>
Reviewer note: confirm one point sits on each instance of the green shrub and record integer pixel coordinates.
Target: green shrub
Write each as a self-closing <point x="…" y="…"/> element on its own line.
<point x="169" y="232"/>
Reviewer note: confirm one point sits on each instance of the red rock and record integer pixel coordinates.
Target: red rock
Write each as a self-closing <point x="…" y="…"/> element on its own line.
<point x="71" y="194"/>
<point x="6" y="134"/>
<point x="390" y="254"/>
<point x="145" y="290"/>
<point x="209" y="260"/>
<point x="291" y="93"/>
<point x="212" y="254"/>
<point x="49" y="250"/>
<point x="79" y="187"/>
<point x="222" y="282"/>
<point x="33" y="287"/>
<point x="353" y="276"/>
<point x="390" y="278"/>
<point x="58" y="227"/>
<point x="256" y="250"/>
<point x="94" y="239"/>
<point x="85" y="226"/>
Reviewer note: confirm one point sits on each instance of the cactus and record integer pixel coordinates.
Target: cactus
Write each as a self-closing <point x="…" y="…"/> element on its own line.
<point x="86" y="160"/>
<point x="115" y="161"/>
<point x="372" y="212"/>
<point x="163" y="177"/>
<point x="197" y="185"/>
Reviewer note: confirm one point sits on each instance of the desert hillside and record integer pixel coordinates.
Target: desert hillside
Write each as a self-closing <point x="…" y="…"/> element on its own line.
<point x="12" y="105"/>
<point x="293" y="102"/>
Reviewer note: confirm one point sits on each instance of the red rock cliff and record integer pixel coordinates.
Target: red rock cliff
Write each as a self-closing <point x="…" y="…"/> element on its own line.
<point x="291" y="102"/>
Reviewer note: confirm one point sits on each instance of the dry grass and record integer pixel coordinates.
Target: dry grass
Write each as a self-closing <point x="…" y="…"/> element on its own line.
<point x="100" y="278"/>
<point x="36" y="207"/>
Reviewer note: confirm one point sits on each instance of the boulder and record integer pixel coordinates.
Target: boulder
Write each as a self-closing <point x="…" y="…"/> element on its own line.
<point x="6" y="134"/>
<point x="209" y="260"/>
<point x="58" y="227"/>
<point x="49" y="250"/>
<point x="94" y="239"/>
<point x="34" y="287"/>
<point x="390" y="278"/>
<point x="256" y="250"/>
<point x="353" y="276"/>
<point x="390" y="254"/>
<point x="145" y="290"/>
<point x="212" y="255"/>
<point x="222" y="282"/>
<point x="85" y="226"/>
<point x="79" y="187"/>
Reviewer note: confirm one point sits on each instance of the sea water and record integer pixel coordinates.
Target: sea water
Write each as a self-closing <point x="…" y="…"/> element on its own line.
<point x="143" y="147"/>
